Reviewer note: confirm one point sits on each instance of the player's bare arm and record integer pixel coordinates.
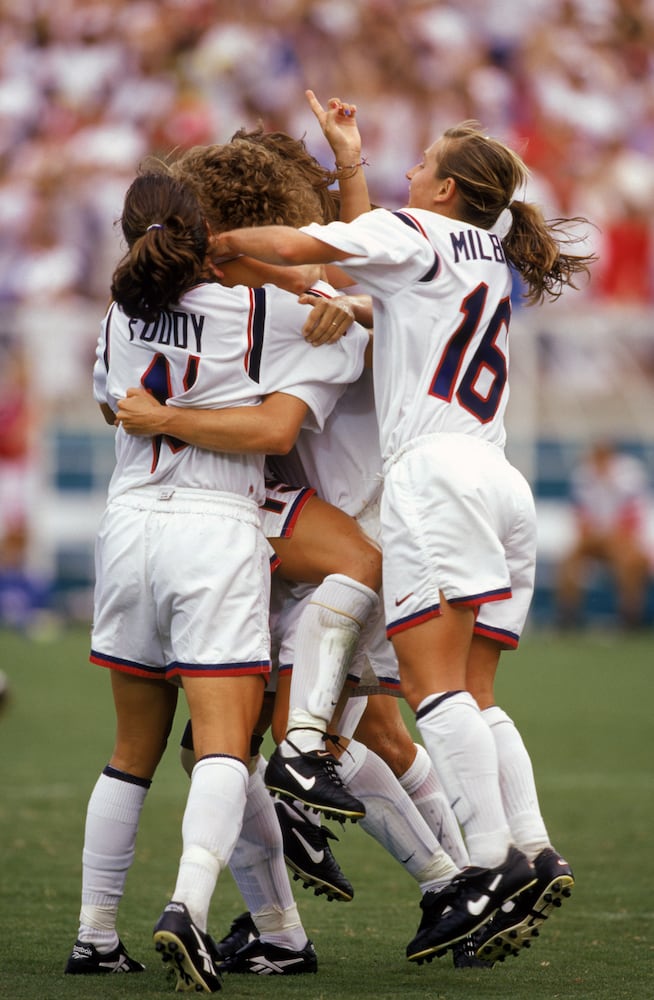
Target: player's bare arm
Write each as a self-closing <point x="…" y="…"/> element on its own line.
<point x="243" y="270"/>
<point x="269" y="428"/>
<point x="107" y="413"/>
<point x="339" y="126"/>
<point x="275" y="245"/>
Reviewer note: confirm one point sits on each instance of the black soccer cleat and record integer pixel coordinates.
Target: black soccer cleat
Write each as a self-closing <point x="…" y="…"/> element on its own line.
<point x="86" y="960"/>
<point x="243" y="930"/>
<point x="191" y="951"/>
<point x="518" y="921"/>
<point x="466" y="904"/>
<point x="308" y="854"/>
<point x="261" y="958"/>
<point x="464" y="953"/>
<point x="311" y="779"/>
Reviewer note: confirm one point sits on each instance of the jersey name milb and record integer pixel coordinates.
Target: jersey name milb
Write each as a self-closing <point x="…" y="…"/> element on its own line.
<point x="219" y="347"/>
<point x="441" y="300"/>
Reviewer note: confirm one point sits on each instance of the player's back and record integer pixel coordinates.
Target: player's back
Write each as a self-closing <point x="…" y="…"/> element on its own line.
<point x="204" y="352"/>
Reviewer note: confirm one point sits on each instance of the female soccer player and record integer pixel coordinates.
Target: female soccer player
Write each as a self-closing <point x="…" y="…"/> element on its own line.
<point x="458" y="521"/>
<point x="182" y="570"/>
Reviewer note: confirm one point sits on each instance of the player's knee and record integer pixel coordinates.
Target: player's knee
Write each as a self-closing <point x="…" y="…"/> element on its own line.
<point x="364" y="563"/>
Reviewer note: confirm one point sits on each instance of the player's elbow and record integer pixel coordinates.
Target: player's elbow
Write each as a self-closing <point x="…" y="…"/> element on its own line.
<point x="281" y="440"/>
<point x="287" y="250"/>
<point x="292" y="247"/>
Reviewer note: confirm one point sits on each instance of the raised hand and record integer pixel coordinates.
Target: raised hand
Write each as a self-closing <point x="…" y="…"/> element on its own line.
<point x="339" y="125"/>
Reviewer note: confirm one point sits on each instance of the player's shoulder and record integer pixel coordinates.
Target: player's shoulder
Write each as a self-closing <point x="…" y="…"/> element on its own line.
<point x="212" y="295"/>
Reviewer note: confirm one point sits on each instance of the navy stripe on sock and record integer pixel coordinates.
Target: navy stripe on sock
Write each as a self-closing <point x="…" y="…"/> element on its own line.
<point x="426" y="709"/>
<point x="226" y="756"/>
<point x="131" y="779"/>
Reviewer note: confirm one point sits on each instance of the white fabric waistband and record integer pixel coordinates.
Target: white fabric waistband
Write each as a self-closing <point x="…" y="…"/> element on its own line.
<point x="441" y="437"/>
<point x="182" y="498"/>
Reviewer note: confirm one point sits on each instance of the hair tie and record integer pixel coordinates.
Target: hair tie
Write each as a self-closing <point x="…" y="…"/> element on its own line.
<point x="155" y="225"/>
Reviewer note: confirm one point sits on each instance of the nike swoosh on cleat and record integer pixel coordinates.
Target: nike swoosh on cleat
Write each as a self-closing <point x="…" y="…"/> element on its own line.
<point x="316" y="856"/>
<point x="477" y="906"/>
<point x="306" y="783"/>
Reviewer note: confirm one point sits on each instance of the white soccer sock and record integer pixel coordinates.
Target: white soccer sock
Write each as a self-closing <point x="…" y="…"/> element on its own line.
<point x="351" y="715"/>
<point x="421" y="784"/>
<point x="463" y="752"/>
<point x="326" y="639"/>
<point x="210" y="828"/>
<point x="517" y="783"/>
<point x="392" y="818"/>
<point x="112" y="820"/>
<point x="259" y="870"/>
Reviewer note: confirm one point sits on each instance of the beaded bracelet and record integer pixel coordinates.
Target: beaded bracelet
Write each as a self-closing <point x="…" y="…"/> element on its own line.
<point x="363" y="162"/>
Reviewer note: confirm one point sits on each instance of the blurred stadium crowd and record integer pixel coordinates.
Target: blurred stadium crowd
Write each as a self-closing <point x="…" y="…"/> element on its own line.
<point x="89" y="87"/>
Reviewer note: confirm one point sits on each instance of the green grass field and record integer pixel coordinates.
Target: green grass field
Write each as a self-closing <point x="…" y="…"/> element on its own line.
<point x="584" y="705"/>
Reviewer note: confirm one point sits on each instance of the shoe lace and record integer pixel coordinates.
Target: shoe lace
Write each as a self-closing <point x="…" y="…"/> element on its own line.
<point x="335" y="739"/>
<point x="328" y="762"/>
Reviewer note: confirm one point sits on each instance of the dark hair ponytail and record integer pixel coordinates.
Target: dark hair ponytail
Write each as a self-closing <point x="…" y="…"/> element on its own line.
<point x="167" y="239"/>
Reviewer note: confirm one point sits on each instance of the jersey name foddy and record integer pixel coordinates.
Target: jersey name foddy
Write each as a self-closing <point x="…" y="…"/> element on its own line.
<point x="219" y="347"/>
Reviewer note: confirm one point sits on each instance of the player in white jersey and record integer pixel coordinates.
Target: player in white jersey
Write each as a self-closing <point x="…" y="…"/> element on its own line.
<point x="391" y="816"/>
<point x="182" y="567"/>
<point x="360" y="494"/>
<point x="458" y="522"/>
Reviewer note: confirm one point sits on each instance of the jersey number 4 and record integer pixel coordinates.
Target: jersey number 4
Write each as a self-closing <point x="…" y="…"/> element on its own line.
<point x="487" y="358"/>
<point x="158" y="380"/>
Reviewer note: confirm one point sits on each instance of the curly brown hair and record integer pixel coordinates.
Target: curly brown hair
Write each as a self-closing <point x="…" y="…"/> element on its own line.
<point x="244" y="183"/>
<point x="295" y="152"/>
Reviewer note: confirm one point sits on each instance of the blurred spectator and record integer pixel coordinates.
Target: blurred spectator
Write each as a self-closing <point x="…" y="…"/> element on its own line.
<point x="22" y="595"/>
<point x="88" y="88"/>
<point x="611" y="495"/>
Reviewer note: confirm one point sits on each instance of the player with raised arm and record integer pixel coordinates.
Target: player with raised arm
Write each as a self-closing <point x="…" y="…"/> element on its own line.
<point x="347" y="491"/>
<point x="458" y="521"/>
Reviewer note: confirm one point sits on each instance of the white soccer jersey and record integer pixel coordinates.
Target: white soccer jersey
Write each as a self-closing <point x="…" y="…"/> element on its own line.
<point x="441" y="298"/>
<point x="222" y="347"/>
<point x="343" y="462"/>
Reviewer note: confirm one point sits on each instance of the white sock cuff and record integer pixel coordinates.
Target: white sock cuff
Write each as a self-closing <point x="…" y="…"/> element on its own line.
<point x="352" y="760"/>
<point x="337" y="590"/>
<point x="418" y="772"/>
<point x="224" y="760"/>
<point x="495" y="715"/>
<point x="444" y="698"/>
